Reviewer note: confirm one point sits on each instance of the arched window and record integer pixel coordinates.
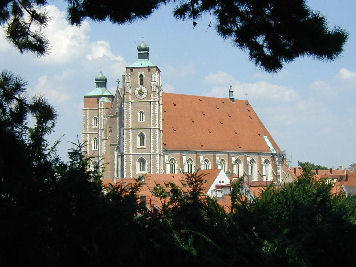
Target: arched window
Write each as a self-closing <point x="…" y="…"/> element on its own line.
<point x="206" y="164"/>
<point x="223" y="165"/>
<point x="141" y="116"/>
<point x="267" y="170"/>
<point x="95" y="143"/>
<point x="238" y="167"/>
<point x="190" y="166"/>
<point x="141" y="139"/>
<point x="95" y="122"/>
<point x="172" y="165"/>
<point x="141" y="79"/>
<point x="253" y="170"/>
<point x="141" y="165"/>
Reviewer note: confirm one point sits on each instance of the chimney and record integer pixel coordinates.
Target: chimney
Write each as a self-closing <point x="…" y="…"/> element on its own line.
<point x="317" y="171"/>
<point x="295" y="170"/>
<point x="331" y="170"/>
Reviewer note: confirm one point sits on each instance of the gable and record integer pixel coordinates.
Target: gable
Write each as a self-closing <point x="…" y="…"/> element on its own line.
<point x="213" y="124"/>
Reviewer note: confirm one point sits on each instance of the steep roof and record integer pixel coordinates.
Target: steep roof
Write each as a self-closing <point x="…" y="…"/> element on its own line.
<point x="99" y="91"/>
<point x="213" y="124"/>
<point x="140" y="63"/>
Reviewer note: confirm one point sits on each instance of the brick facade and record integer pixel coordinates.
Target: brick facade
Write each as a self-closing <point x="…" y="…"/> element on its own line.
<point x="139" y="130"/>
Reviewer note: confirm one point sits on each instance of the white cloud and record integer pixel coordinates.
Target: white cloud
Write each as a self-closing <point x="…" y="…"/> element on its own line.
<point x="46" y="88"/>
<point x="325" y="88"/>
<point x="67" y="42"/>
<point x="178" y="72"/>
<point x="346" y="75"/>
<point x="168" y="88"/>
<point x="101" y="49"/>
<point x="220" y="82"/>
<point x="343" y="80"/>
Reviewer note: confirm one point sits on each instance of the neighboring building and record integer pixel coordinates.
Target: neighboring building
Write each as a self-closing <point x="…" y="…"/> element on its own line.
<point x="215" y="184"/>
<point x="141" y="130"/>
<point x="342" y="180"/>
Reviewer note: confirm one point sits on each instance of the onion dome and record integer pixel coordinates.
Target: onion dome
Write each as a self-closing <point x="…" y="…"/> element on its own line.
<point x="143" y="51"/>
<point x="143" y="47"/>
<point x="100" y="80"/>
<point x="100" y="87"/>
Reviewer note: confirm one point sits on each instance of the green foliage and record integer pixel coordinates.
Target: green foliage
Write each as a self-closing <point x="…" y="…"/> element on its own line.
<point x="24" y="20"/>
<point x="301" y="223"/>
<point x="273" y="32"/>
<point x="59" y="214"/>
<point x="308" y="166"/>
<point x="160" y="192"/>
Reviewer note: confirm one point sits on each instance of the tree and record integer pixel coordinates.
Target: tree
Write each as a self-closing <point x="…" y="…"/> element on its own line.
<point x="309" y="166"/>
<point x="301" y="223"/>
<point x="57" y="214"/>
<point x="274" y="32"/>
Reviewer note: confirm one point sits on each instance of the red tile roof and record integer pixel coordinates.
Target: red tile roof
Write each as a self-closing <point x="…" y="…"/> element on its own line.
<point x="351" y="179"/>
<point x="153" y="180"/>
<point x="212" y="124"/>
<point x="225" y="202"/>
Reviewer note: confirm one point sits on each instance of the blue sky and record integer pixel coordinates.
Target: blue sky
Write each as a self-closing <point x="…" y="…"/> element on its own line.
<point x="309" y="107"/>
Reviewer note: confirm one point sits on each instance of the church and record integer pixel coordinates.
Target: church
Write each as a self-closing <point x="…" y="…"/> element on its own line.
<point x="142" y="130"/>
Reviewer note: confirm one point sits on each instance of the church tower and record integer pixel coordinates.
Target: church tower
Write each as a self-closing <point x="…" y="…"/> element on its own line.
<point x="97" y="105"/>
<point x="141" y="141"/>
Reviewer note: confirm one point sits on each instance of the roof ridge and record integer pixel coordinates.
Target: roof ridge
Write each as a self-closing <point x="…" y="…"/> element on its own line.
<point x="222" y="98"/>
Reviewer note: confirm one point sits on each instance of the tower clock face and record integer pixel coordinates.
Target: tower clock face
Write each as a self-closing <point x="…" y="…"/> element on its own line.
<point x="141" y="92"/>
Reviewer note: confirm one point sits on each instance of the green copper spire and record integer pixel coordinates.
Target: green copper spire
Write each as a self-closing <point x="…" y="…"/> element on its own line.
<point x="100" y="80"/>
<point x="231" y="94"/>
<point x="143" y="57"/>
<point x="143" y="51"/>
<point x="100" y="86"/>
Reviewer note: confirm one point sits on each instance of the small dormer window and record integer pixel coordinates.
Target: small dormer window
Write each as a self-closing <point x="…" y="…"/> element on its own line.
<point x="141" y="79"/>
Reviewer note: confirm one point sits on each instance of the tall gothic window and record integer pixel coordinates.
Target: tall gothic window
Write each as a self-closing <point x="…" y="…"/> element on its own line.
<point x="238" y="167"/>
<point x="253" y="170"/>
<point x="141" y="140"/>
<point x="141" y="116"/>
<point x="141" y="79"/>
<point x="223" y="165"/>
<point x="95" y="143"/>
<point x="190" y="166"/>
<point x="267" y="170"/>
<point x="172" y="165"/>
<point x="206" y="164"/>
<point x="141" y="165"/>
<point x="95" y="122"/>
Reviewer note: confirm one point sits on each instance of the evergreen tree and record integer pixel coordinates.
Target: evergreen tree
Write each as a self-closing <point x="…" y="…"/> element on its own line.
<point x="274" y="32"/>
